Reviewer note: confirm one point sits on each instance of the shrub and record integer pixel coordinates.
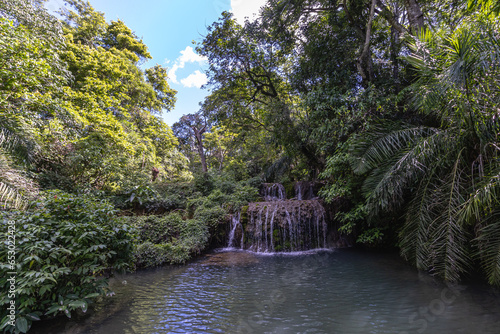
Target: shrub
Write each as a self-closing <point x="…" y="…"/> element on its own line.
<point x="204" y="183"/>
<point x="153" y="255"/>
<point x="154" y="198"/>
<point x="63" y="249"/>
<point x="168" y="239"/>
<point x="211" y="216"/>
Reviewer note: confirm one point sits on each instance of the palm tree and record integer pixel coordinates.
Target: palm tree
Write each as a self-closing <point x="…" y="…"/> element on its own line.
<point x="446" y="178"/>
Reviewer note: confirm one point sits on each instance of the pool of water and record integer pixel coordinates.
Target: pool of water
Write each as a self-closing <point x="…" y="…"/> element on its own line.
<point x="342" y="291"/>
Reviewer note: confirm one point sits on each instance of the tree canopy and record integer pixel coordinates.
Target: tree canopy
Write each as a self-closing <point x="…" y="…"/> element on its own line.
<point x="74" y="90"/>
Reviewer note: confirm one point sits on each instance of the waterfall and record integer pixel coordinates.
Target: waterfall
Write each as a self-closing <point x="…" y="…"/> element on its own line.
<point x="235" y="222"/>
<point x="290" y="225"/>
<point x="273" y="192"/>
<point x="305" y="190"/>
<point x="281" y="225"/>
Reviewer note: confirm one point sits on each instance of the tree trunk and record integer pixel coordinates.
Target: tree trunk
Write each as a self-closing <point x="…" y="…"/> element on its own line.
<point x="199" y="141"/>
<point x="394" y="58"/>
<point x="415" y="16"/>
<point x="391" y="18"/>
<point x="363" y="63"/>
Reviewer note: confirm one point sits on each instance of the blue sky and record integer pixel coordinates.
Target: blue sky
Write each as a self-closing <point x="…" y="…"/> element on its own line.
<point x="168" y="28"/>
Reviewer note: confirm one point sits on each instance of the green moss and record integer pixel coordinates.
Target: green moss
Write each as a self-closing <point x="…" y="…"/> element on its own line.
<point x="289" y="189"/>
<point x="244" y="215"/>
<point x="276" y="235"/>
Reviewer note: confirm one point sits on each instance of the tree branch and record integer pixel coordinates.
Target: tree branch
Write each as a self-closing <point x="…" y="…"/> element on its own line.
<point x="358" y="30"/>
<point x="390" y="17"/>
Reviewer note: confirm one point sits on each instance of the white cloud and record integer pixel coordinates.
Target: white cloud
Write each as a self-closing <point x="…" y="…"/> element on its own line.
<point x="246" y="8"/>
<point x="187" y="56"/>
<point x="197" y="79"/>
<point x="171" y="74"/>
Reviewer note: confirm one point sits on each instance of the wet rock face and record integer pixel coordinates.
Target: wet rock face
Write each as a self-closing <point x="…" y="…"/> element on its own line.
<point x="290" y="225"/>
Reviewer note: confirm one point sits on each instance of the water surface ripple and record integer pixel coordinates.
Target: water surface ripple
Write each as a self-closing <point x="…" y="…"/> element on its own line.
<point x="343" y="291"/>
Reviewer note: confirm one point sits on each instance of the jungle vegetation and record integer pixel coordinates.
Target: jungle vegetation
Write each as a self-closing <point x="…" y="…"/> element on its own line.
<point x="391" y="104"/>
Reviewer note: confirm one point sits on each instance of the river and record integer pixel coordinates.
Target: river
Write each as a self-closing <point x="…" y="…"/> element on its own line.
<point x="340" y="291"/>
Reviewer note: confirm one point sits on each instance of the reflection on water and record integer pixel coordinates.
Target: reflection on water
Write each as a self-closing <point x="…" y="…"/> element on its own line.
<point x="229" y="258"/>
<point x="326" y="292"/>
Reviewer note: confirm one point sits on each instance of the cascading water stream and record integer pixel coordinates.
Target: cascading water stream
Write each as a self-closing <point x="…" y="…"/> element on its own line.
<point x="280" y="225"/>
<point x="273" y="192"/>
<point x="305" y="190"/>
<point x="235" y="222"/>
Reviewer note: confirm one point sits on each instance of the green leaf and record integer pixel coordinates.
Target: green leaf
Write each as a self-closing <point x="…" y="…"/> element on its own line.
<point x="22" y="324"/>
<point x="53" y="309"/>
<point x="33" y="316"/>
<point x="78" y="303"/>
<point x="92" y="295"/>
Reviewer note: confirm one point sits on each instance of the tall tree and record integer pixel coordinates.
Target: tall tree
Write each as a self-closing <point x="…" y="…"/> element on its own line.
<point x="193" y="126"/>
<point x="248" y="73"/>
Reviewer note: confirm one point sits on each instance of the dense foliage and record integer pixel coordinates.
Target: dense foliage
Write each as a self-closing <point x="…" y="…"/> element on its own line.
<point x="168" y="239"/>
<point x="77" y="113"/>
<point x="451" y="163"/>
<point x="87" y="113"/>
<point x="64" y="249"/>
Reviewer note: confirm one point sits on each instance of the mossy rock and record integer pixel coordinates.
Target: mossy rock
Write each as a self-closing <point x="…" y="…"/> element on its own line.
<point x="289" y="189"/>
<point x="244" y="216"/>
<point x="276" y="235"/>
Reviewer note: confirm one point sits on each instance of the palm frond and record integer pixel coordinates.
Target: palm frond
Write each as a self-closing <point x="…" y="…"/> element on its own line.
<point x="413" y="237"/>
<point x="21" y="148"/>
<point x="279" y="167"/>
<point x="482" y="210"/>
<point x="449" y="248"/>
<point x="387" y="184"/>
<point x="16" y="188"/>
<point x="382" y="143"/>
<point x="486" y="6"/>
<point x="461" y="58"/>
<point x="450" y="176"/>
<point x="483" y="199"/>
<point x="488" y="246"/>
